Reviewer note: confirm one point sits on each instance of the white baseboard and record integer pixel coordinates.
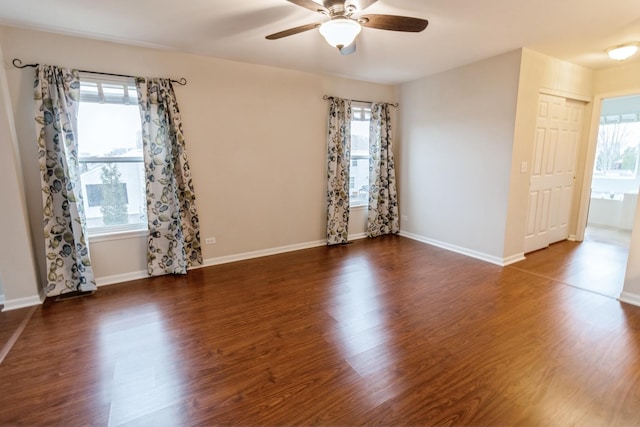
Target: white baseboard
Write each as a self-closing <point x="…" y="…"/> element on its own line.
<point x="119" y="278"/>
<point x="357" y="236"/>
<point x="142" y="274"/>
<point x="630" y="298"/>
<point x="14" y="304"/>
<point x="464" y="251"/>
<point x="264" y="252"/>
<point x="513" y="259"/>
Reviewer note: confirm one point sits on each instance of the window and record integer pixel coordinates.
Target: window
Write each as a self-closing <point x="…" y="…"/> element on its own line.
<point x="359" y="173"/>
<point x="110" y="155"/>
<point x="618" y="146"/>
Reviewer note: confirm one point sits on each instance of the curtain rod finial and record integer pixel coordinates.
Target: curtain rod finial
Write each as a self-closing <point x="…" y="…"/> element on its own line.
<point x="17" y="62"/>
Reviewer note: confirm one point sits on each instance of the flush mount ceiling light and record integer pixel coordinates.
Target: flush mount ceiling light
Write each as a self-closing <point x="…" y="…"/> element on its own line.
<point x="622" y="52"/>
<point x="340" y="32"/>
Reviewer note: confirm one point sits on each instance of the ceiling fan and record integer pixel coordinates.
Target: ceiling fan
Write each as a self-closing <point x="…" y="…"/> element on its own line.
<point x="343" y="26"/>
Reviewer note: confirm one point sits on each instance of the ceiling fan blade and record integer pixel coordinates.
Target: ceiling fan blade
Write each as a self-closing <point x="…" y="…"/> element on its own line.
<point x="348" y="50"/>
<point x="362" y="4"/>
<point x="394" y="23"/>
<point x="292" y="31"/>
<point x="309" y="4"/>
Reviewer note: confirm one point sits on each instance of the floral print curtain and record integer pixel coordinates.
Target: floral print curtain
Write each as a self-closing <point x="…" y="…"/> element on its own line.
<point x="56" y="93"/>
<point x="174" y="231"/>
<point x="338" y="163"/>
<point x="383" y="197"/>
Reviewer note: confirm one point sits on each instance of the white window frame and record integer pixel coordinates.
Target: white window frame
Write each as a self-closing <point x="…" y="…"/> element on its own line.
<point x="112" y="232"/>
<point x="618" y="120"/>
<point x="363" y="107"/>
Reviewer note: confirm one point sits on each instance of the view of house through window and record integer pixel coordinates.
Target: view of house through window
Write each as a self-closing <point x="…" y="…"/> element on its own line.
<point x="110" y="155"/>
<point x="359" y="171"/>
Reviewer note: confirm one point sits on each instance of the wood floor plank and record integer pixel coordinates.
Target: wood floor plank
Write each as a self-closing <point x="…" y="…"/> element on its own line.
<point x="12" y="324"/>
<point x="383" y="331"/>
<point x="592" y="265"/>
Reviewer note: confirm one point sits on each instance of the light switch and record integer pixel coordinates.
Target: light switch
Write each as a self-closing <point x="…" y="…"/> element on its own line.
<point x="524" y="167"/>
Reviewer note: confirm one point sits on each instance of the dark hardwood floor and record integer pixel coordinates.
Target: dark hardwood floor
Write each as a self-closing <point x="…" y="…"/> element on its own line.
<point x="386" y="331"/>
<point x="12" y="323"/>
<point x="592" y="265"/>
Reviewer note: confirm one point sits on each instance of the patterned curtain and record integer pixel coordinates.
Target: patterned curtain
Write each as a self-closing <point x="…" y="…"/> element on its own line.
<point x="338" y="163"/>
<point x="174" y="231"/>
<point x="56" y="92"/>
<point x="383" y="198"/>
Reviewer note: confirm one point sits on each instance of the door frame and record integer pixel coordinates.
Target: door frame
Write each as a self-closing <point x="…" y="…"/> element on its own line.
<point x="585" y="107"/>
<point x="590" y="159"/>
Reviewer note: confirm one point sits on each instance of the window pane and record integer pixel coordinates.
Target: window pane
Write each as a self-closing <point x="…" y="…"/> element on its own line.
<point x="359" y="175"/>
<point x="618" y="149"/>
<point x="113" y="194"/>
<point x="117" y="92"/>
<point x="89" y="91"/>
<point x="109" y="130"/>
<point x="110" y="155"/>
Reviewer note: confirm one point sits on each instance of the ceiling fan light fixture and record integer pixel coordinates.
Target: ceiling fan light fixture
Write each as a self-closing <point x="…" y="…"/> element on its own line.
<point x="620" y="53"/>
<point x="340" y="32"/>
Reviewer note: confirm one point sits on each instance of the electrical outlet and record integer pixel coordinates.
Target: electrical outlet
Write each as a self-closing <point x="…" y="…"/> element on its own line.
<point x="404" y="218"/>
<point x="210" y="241"/>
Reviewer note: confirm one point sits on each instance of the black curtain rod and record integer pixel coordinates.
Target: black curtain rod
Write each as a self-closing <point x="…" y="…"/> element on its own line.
<point x="326" y="97"/>
<point x="18" y="64"/>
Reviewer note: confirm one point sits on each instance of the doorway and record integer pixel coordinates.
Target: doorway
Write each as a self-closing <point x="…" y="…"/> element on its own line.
<point x="610" y="193"/>
<point x="616" y="175"/>
<point x="597" y="260"/>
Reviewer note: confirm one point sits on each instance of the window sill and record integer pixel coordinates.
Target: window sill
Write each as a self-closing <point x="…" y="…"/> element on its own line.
<point x="102" y="236"/>
<point x="613" y="178"/>
<point x="358" y="207"/>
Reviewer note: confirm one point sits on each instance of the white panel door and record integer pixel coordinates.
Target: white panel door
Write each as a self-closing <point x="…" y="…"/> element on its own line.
<point x="553" y="165"/>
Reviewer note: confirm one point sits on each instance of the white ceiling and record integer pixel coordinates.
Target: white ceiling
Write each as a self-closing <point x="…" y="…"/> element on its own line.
<point x="459" y="32"/>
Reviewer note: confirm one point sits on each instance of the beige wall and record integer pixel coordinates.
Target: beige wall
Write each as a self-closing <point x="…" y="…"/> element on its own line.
<point x="255" y="138"/>
<point x="540" y="73"/>
<point x="457" y="136"/>
<point x="18" y="282"/>
<point x="618" y="81"/>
